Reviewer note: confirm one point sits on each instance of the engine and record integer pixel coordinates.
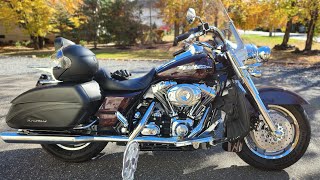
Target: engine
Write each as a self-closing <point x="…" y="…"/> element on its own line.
<point x="180" y="109"/>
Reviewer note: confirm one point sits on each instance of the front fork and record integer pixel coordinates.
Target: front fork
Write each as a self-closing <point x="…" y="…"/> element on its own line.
<point x="246" y="80"/>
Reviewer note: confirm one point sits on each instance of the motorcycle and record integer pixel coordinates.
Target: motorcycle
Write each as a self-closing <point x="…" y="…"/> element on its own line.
<point x="74" y="112"/>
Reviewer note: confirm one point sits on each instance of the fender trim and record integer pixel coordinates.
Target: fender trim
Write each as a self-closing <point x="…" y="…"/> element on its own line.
<point x="272" y="95"/>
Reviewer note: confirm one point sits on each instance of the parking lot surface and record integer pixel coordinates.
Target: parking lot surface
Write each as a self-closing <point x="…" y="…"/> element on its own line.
<point x="29" y="161"/>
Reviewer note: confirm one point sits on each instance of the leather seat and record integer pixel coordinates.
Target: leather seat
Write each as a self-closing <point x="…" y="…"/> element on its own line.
<point x="107" y="83"/>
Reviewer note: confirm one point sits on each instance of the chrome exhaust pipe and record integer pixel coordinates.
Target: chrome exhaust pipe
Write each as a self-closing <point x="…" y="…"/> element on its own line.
<point x="14" y="137"/>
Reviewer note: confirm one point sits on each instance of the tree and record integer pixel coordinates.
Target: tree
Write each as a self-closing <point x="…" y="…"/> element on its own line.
<point x="120" y="21"/>
<point x="91" y="9"/>
<point x="273" y="15"/>
<point x="39" y="17"/>
<point x="34" y="16"/>
<point x="173" y="12"/>
<point x="311" y="9"/>
<point x="246" y="14"/>
<point x="67" y="16"/>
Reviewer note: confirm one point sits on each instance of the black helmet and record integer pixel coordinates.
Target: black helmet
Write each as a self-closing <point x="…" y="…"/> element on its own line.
<point x="76" y="63"/>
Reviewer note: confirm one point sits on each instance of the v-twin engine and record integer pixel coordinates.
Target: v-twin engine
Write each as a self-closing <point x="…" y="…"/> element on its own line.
<point x="181" y="109"/>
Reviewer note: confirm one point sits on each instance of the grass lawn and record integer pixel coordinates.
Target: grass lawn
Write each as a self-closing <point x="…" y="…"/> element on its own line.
<point x="272" y="41"/>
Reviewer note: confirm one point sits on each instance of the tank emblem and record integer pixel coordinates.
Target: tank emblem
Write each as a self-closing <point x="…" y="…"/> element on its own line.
<point x="194" y="67"/>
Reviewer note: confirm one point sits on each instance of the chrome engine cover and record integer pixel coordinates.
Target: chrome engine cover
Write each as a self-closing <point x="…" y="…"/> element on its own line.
<point x="181" y="127"/>
<point x="184" y="95"/>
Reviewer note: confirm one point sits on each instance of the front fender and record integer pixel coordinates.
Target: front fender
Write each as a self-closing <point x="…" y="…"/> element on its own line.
<point x="271" y="95"/>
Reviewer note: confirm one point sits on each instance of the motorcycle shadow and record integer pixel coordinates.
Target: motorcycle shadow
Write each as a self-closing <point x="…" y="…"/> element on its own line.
<point x="36" y="164"/>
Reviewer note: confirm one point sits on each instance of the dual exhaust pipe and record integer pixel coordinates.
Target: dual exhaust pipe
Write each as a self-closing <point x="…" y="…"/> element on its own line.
<point x="14" y="137"/>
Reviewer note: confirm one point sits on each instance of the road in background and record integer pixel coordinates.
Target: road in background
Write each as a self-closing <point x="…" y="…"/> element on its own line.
<point x="27" y="161"/>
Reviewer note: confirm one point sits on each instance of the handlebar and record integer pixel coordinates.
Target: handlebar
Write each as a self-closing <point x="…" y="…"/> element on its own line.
<point x="186" y="35"/>
<point x="181" y="37"/>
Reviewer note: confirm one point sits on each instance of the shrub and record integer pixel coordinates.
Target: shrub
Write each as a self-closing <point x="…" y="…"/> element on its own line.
<point x="83" y="42"/>
<point x="17" y="44"/>
<point x="26" y="43"/>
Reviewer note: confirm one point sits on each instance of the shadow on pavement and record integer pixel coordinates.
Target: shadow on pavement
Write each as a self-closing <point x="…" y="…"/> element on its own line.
<point x="36" y="164"/>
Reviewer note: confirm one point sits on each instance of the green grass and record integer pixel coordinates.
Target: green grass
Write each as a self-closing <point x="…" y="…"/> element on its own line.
<point x="272" y="41"/>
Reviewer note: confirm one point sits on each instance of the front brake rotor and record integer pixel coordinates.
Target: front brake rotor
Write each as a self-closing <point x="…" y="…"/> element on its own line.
<point x="265" y="140"/>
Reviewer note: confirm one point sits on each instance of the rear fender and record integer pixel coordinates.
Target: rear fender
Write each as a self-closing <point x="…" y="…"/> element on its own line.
<point x="271" y="95"/>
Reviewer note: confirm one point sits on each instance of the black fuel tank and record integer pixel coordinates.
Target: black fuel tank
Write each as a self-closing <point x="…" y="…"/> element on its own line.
<point x="187" y="67"/>
<point x="55" y="107"/>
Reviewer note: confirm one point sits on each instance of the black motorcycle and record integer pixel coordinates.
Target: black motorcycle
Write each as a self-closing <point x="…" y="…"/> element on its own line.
<point x="177" y="106"/>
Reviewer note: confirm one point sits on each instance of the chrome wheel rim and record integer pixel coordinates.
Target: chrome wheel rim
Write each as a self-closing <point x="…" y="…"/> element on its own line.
<point x="267" y="146"/>
<point x="73" y="147"/>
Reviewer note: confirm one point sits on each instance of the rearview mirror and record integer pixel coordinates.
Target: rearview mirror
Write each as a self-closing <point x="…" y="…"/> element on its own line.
<point x="191" y="15"/>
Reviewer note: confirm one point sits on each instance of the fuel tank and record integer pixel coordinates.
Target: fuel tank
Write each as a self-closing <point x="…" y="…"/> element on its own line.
<point x="187" y="67"/>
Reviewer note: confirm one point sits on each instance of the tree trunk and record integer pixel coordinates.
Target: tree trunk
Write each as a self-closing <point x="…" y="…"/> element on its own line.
<point x="287" y="33"/>
<point x="176" y="29"/>
<point x="95" y="44"/>
<point x="311" y="29"/>
<point x="35" y="42"/>
<point x="270" y="32"/>
<point x="41" y="42"/>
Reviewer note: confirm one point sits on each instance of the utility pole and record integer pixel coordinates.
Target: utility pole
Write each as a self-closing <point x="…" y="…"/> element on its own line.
<point x="150" y="33"/>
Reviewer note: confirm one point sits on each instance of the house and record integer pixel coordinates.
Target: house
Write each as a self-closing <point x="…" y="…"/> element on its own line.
<point x="150" y="13"/>
<point x="12" y="35"/>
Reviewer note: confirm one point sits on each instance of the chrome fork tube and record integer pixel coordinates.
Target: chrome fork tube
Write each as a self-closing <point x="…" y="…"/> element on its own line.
<point x="142" y="122"/>
<point x="247" y="81"/>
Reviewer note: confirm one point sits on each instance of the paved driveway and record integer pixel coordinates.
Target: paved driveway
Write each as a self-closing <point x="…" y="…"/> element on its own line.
<point x="26" y="161"/>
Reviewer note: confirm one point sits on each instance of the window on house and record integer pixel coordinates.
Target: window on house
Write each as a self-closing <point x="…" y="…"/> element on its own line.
<point x="2" y="36"/>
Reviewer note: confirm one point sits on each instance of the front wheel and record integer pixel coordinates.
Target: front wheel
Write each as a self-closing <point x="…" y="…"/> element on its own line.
<point x="264" y="151"/>
<point x="75" y="152"/>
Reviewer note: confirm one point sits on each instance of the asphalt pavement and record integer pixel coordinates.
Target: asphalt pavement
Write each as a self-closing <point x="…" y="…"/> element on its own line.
<point x="29" y="161"/>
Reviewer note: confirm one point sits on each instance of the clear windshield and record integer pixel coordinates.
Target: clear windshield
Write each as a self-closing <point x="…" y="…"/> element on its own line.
<point x="214" y="13"/>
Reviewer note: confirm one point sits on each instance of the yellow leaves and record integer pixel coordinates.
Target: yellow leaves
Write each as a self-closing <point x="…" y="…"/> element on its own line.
<point x="38" y="17"/>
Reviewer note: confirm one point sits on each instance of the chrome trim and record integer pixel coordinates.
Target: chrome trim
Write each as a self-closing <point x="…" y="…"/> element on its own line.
<point x="267" y="154"/>
<point x="87" y="126"/>
<point x="178" y="97"/>
<point x="142" y="122"/>
<point x="247" y="81"/>
<point x="212" y="127"/>
<point x="75" y="147"/>
<point x="14" y="137"/>
<point x="200" y="124"/>
<point x="122" y="119"/>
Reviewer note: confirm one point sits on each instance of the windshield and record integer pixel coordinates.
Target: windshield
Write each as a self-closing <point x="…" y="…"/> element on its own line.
<point x="214" y="13"/>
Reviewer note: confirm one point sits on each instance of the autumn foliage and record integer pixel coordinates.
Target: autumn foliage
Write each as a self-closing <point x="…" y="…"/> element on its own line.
<point x="99" y="17"/>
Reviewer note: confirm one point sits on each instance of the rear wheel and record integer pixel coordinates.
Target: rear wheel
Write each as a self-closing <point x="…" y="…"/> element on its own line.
<point x="264" y="151"/>
<point x="75" y="152"/>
